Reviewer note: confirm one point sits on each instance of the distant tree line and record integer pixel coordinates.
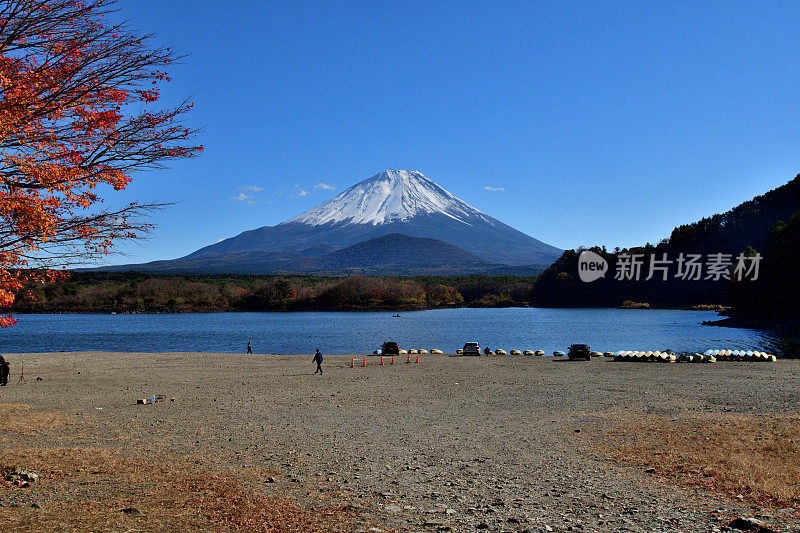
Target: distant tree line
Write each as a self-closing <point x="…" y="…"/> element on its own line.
<point x="87" y="292"/>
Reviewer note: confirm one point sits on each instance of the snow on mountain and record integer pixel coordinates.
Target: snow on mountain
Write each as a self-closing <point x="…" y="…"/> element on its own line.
<point x="393" y="202"/>
<point x="388" y="197"/>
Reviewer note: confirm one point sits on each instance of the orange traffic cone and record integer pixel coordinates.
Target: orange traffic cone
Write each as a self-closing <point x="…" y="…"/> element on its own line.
<point x="364" y="363"/>
<point x="352" y="362"/>
<point x="381" y="360"/>
<point x="408" y="359"/>
<point x="417" y="361"/>
<point x="392" y="360"/>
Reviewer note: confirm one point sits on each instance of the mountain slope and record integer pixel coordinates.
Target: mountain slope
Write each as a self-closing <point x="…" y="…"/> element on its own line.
<point x="749" y="224"/>
<point x="394" y="201"/>
<point x="400" y="254"/>
<point x="393" y="254"/>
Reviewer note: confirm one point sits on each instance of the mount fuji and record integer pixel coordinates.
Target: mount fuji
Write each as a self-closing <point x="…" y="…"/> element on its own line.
<point x="394" y="203"/>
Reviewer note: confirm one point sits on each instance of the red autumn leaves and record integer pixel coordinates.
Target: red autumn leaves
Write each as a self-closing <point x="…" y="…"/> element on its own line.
<point x="77" y="112"/>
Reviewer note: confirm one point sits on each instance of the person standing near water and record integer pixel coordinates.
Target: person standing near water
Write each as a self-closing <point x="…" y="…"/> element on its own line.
<point x="4" y="371"/>
<point x="249" y="348"/>
<point x="318" y="359"/>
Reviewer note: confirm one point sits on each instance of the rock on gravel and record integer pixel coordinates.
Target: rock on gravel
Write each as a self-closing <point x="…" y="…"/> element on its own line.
<point x="751" y="525"/>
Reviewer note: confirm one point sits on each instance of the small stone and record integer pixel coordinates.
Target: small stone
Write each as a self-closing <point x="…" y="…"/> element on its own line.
<point x="270" y="479"/>
<point x="482" y="525"/>
<point x="650" y="470"/>
<point x="133" y="511"/>
<point x="548" y="528"/>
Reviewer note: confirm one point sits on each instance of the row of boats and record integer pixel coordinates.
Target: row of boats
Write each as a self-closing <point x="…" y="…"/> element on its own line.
<point x="709" y="356"/>
<point x="740" y="355"/>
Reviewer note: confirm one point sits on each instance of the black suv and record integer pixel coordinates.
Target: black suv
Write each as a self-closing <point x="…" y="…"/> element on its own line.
<point x="579" y="351"/>
<point x="390" y="348"/>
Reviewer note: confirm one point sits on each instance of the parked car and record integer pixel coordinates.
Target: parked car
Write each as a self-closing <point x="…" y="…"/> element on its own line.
<point x="579" y="351"/>
<point x="390" y="348"/>
<point x="472" y="348"/>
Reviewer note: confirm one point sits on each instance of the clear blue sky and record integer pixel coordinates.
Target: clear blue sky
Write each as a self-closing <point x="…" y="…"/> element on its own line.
<point x="603" y="123"/>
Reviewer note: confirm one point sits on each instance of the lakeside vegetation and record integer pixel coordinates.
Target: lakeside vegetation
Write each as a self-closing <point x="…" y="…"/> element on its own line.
<point x="132" y="292"/>
<point x="136" y="292"/>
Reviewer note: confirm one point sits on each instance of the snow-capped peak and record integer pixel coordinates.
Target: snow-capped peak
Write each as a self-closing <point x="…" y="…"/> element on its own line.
<point x="391" y="196"/>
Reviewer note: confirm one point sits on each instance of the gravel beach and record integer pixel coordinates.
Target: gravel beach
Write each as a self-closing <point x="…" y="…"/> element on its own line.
<point x="499" y="443"/>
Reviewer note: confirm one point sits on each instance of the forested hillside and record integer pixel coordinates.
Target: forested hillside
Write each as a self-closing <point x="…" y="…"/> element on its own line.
<point x="752" y="227"/>
<point x="748" y="224"/>
<point x="775" y="296"/>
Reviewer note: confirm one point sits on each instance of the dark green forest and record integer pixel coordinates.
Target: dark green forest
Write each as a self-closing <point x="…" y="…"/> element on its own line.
<point x="775" y="296"/>
<point x="132" y="292"/>
<point x="766" y="225"/>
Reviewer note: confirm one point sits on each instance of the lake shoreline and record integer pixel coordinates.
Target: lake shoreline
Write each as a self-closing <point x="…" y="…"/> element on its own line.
<point x="355" y="309"/>
<point x="547" y="329"/>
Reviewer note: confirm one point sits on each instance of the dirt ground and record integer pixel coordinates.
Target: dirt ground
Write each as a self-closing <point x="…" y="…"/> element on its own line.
<point x="499" y="443"/>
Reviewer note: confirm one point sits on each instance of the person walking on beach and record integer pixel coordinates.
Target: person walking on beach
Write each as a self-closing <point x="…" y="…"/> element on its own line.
<point x="249" y="348"/>
<point x="318" y="359"/>
<point x="4" y="371"/>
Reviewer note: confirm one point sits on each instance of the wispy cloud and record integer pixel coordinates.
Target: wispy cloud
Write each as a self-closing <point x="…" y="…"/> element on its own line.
<point x="247" y="195"/>
<point x="244" y="198"/>
<point x="494" y="189"/>
<point x="299" y="192"/>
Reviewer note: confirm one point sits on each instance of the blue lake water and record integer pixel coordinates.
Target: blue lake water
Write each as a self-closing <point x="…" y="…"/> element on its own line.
<point x="345" y="333"/>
